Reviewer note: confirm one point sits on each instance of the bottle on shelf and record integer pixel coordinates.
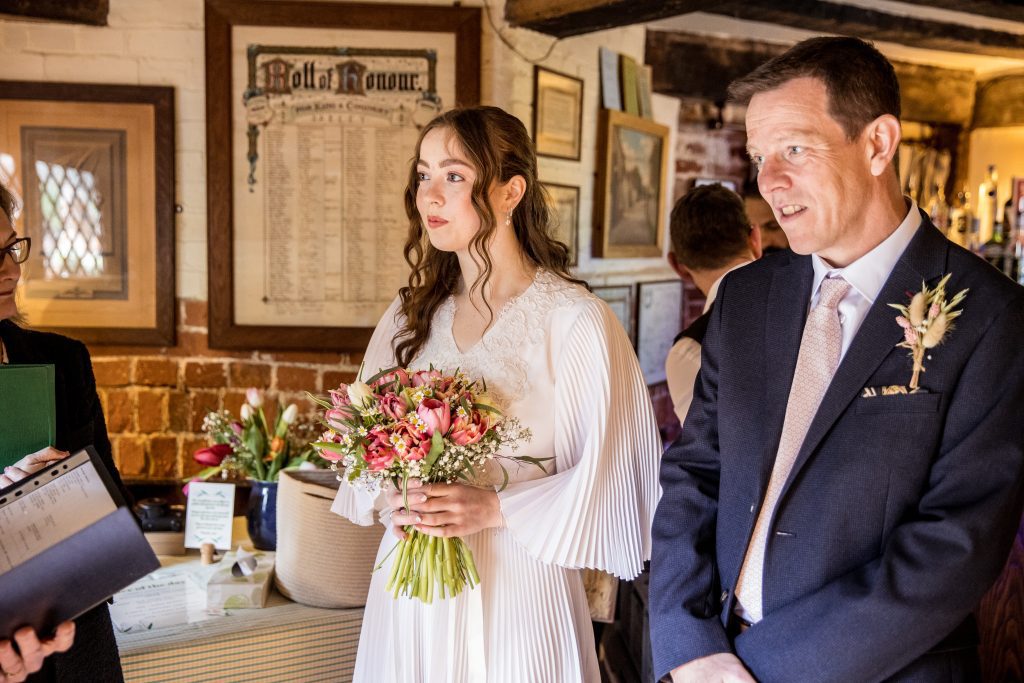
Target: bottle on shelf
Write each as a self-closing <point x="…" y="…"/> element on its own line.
<point x="988" y="207"/>
<point x="994" y="250"/>
<point x="960" y="219"/>
<point x="938" y="209"/>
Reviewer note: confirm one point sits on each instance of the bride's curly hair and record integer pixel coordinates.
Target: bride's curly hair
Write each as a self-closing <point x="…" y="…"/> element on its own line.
<point x="498" y="147"/>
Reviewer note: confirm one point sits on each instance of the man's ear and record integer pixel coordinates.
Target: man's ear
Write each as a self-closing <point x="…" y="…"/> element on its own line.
<point x="883" y="139"/>
<point x="755" y="242"/>
<point x="680" y="269"/>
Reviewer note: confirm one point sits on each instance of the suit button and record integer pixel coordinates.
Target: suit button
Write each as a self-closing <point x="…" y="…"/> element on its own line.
<point x="725" y="596"/>
<point x="751" y="508"/>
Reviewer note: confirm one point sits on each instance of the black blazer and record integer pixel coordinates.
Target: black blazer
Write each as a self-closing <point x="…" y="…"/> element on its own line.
<point x="899" y="511"/>
<point x="93" y="657"/>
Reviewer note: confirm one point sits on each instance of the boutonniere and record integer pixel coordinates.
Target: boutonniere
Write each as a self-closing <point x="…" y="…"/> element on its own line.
<point x="926" y="322"/>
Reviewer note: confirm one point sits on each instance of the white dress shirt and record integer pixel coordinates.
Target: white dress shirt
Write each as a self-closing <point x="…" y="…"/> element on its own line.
<point x="866" y="275"/>
<point x="683" y="362"/>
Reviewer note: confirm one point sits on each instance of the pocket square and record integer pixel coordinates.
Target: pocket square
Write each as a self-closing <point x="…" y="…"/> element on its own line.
<point x="890" y="390"/>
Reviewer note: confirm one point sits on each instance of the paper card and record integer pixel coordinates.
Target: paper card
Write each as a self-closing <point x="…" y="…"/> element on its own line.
<point x="170" y="596"/>
<point x="211" y="508"/>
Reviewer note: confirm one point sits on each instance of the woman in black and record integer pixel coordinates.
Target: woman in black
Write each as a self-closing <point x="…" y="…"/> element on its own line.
<point x="83" y="650"/>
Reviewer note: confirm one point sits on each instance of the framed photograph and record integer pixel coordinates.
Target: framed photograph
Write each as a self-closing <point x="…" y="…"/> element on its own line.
<point x="313" y="113"/>
<point x="94" y="165"/>
<point x="621" y="300"/>
<point x="557" y="113"/>
<point x="659" y="319"/>
<point x="565" y="207"/>
<point x="629" y="210"/>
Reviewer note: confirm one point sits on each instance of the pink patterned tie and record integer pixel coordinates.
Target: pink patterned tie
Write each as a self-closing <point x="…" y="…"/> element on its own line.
<point x="819" y="356"/>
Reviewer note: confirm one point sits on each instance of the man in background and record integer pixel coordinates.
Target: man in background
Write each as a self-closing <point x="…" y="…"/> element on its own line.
<point x="761" y="217"/>
<point x="711" y="236"/>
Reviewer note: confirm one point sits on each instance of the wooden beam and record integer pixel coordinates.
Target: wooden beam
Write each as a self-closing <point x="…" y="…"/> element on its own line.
<point x="574" y="17"/>
<point x="91" y="12"/>
<point x="996" y="9"/>
<point x="830" y="17"/>
<point x="688" y="65"/>
<point x="1000" y="102"/>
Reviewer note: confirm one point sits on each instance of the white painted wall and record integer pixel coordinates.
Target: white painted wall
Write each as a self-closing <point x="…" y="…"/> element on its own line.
<point x="155" y="42"/>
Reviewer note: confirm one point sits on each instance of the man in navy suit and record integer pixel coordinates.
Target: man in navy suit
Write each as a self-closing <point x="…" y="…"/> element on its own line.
<point x="840" y="533"/>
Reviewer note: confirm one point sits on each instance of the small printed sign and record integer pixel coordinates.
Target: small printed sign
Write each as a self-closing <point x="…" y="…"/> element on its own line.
<point x="211" y="508"/>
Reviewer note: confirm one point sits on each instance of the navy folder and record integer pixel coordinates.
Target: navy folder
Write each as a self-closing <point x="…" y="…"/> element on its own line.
<point x="77" y="573"/>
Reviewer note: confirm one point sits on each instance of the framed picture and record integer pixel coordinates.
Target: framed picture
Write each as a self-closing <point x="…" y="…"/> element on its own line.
<point x="313" y="113"/>
<point x="620" y="299"/>
<point x="557" y="113"/>
<point x="629" y="210"/>
<point x="565" y="207"/>
<point x="659" y="318"/>
<point x="94" y="165"/>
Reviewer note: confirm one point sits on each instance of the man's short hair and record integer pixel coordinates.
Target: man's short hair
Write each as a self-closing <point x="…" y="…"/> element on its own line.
<point x="861" y="83"/>
<point x="709" y="228"/>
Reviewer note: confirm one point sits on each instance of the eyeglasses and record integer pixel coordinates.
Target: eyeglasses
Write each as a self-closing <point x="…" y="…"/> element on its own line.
<point x="18" y="250"/>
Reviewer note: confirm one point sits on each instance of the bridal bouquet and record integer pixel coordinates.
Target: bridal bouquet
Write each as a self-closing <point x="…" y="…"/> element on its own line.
<point x="425" y="425"/>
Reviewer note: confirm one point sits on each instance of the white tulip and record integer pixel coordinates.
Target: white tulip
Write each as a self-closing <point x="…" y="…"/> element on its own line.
<point x="253" y="397"/>
<point x="246" y="412"/>
<point x="359" y="393"/>
<point x="290" y="413"/>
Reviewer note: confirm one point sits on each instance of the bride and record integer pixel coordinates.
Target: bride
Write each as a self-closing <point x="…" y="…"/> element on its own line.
<point x="490" y="294"/>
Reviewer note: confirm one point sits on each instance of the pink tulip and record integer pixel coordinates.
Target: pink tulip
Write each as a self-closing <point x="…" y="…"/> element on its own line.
<point x="464" y="437"/>
<point x="418" y="452"/>
<point x="336" y="419"/>
<point x="400" y="375"/>
<point x="425" y="377"/>
<point x="212" y="456"/>
<point x="436" y="416"/>
<point x="393" y="406"/>
<point x="380" y="459"/>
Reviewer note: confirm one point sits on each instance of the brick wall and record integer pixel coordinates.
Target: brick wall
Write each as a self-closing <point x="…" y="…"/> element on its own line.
<point x="155" y="399"/>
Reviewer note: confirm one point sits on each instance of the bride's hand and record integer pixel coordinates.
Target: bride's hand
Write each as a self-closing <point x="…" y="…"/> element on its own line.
<point x="446" y="510"/>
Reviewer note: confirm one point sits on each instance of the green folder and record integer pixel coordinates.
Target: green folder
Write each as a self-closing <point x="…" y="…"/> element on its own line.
<point x="28" y="420"/>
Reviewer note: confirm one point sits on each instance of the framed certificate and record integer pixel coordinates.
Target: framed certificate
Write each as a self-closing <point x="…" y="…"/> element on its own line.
<point x="313" y="113"/>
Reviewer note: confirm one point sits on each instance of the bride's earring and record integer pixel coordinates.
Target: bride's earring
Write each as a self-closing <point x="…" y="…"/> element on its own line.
<point x="508" y="218"/>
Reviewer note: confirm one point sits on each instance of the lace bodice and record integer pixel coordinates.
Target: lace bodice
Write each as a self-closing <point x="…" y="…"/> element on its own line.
<point x="501" y="355"/>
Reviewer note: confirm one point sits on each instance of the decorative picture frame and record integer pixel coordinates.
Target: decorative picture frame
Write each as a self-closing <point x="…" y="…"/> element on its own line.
<point x="630" y="194"/>
<point x="557" y="113"/>
<point x="565" y="209"/>
<point x="304" y="221"/>
<point x="659" y="319"/>
<point x="622" y="300"/>
<point x="94" y="165"/>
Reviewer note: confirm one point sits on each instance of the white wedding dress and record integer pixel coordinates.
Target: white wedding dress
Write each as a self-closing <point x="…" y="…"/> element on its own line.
<point x="558" y="359"/>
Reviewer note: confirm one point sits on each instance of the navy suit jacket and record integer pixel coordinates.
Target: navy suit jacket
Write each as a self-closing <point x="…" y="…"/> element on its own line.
<point x="899" y="511"/>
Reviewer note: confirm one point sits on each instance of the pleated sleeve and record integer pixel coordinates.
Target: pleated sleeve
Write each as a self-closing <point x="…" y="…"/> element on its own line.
<point x="596" y="510"/>
<point x="355" y="505"/>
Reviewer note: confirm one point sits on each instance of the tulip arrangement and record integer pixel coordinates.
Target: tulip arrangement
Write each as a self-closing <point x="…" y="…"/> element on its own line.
<point x="425" y="425"/>
<point x="250" y="446"/>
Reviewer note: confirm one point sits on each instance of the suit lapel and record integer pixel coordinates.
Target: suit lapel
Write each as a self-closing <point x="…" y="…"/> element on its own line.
<point x="787" y="308"/>
<point x="923" y="260"/>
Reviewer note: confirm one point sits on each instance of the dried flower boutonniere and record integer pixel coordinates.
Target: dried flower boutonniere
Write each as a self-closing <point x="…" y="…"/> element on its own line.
<point x="926" y="321"/>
